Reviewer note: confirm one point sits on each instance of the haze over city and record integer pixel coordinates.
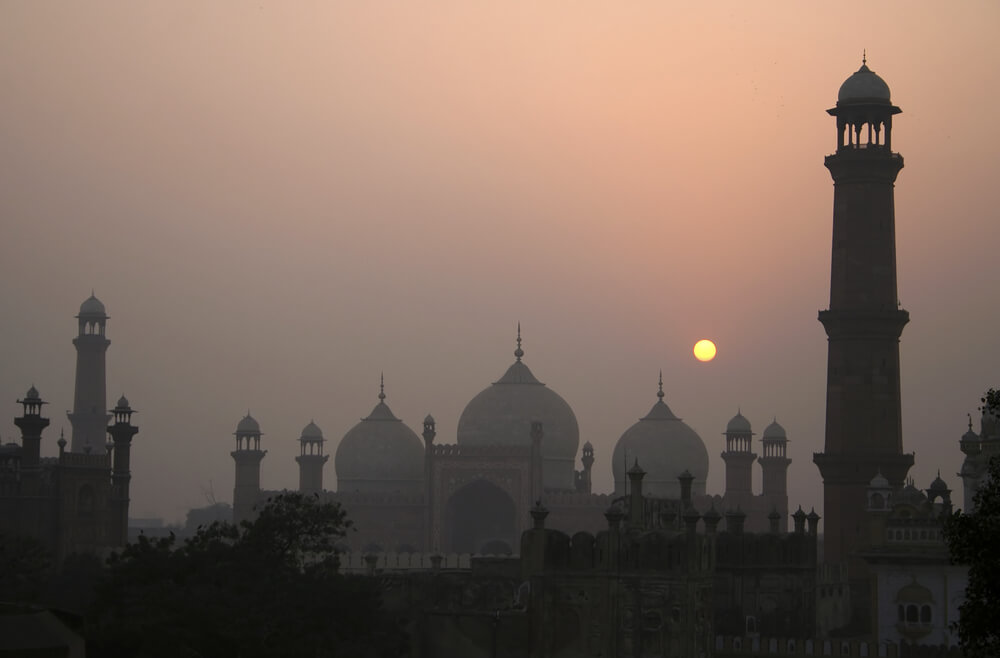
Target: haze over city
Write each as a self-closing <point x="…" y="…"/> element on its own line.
<point x="278" y="203"/>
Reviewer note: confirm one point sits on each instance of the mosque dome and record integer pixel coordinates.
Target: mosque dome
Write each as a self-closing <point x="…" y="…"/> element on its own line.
<point x="739" y="424"/>
<point x="248" y="425"/>
<point x="664" y="446"/>
<point x="380" y="455"/>
<point x="774" y="431"/>
<point x="92" y="306"/>
<point x="122" y="402"/>
<point x="863" y="86"/>
<point x="879" y="482"/>
<point x="501" y="415"/>
<point x="938" y="484"/>
<point x="32" y="394"/>
<point x="311" y="432"/>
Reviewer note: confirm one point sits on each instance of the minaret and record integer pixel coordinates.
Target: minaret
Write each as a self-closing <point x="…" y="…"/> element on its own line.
<point x="89" y="417"/>
<point x="739" y="458"/>
<point x="774" y="470"/>
<point x="864" y="321"/>
<point x="311" y="459"/>
<point x="247" y="456"/>
<point x="31" y="424"/>
<point x="121" y="431"/>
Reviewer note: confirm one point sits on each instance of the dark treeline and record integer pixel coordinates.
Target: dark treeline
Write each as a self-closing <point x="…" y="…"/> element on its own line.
<point x="270" y="587"/>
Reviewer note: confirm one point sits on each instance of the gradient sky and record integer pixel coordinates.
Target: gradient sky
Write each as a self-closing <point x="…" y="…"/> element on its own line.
<point x="278" y="201"/>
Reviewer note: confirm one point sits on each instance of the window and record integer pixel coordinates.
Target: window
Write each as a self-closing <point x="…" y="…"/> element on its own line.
<point x="925" y="614"/>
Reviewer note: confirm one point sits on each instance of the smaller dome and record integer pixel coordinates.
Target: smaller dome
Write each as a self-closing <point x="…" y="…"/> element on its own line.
<point x="775" y="431"/>
<point x="588" y="446"/>
<point x="248" y="425"/>
<point x="938" y="484"/>
<point x="429" y="420"/>
<point x="92" y="306"/>
<point x="863" y="85"/>
<point x="739" y="423"/>
<point x="879" y="481"/>
<point x="311" y="432"/>
<point x="123" y="402"/>
<point x="32" y="394"/>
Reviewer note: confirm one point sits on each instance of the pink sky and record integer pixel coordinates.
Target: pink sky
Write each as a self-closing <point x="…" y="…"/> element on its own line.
<point x="278" y="203"/>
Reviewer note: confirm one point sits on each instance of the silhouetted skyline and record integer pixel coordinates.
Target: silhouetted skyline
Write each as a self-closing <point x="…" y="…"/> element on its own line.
<point x="277" y="204"/>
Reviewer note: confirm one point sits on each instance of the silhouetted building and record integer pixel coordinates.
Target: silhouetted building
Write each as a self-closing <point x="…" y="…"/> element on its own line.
<point x="864" y="321"/>
<point x="978" y="450"/>
<point x="77" y="501"/>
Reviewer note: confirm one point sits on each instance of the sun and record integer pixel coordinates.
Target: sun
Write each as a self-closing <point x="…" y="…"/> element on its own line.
<point x="704" y="350"/>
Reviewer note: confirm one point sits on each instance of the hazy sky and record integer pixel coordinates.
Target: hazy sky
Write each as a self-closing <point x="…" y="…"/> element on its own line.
<point x="278" y="201"/>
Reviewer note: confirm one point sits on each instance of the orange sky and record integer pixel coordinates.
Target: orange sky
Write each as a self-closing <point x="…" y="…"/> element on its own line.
<point x="276" y="203"/>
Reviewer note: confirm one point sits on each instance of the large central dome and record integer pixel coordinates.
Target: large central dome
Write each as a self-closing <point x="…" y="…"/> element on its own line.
<point x="501" y="415"/>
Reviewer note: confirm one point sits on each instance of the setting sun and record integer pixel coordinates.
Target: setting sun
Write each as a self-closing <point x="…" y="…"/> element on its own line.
<point x="704" y="350"/>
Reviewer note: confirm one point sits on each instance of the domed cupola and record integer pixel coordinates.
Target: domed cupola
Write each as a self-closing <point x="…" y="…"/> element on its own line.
<point x="248" y="425"/>
<point x="739" y="424"/>
<point x="665" y="446"/>
<point x="501" y="415"/>
<point x="774" y="431"/>
<point x="93" y="307"/>
<point x="380" y="454"/>
<point x="864" y="86"/>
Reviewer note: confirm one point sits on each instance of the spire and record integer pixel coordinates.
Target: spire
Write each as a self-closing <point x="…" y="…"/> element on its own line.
<point x="381" y="387"/>
<point x="518" y="353"/>
<point x="864" y="56"/>
<point x="659" y="393"/>
<point x="970" y="421"/>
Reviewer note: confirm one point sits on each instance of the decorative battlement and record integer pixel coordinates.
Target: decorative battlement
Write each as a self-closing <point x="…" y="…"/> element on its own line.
<point x="767" y="646"/>
<point x="455" y="450"/>
<point x="84" y="460"/>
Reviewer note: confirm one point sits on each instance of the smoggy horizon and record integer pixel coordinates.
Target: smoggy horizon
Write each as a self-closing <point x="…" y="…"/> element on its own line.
<point x="278" y="204"/>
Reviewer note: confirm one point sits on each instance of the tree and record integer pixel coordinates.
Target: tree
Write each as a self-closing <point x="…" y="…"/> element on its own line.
<point x="270" y="587"/>
<point x="973" y="540"/>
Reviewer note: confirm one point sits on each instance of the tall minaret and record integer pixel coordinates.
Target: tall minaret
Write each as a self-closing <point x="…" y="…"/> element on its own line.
<point x="311" y="459"/>
<point x="248" y="455"/>
<point x="864" y="321"/>
<point x="89" y="417"/>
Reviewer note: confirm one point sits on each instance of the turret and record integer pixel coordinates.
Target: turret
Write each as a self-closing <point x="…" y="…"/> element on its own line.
<point x="739" y="458"/>
<point x="774" y="464"/>
<point x="311" y="459"/>
<point x="31" y="423"/>
<point x="121" y="430"/>
<point x="247" y="456"/>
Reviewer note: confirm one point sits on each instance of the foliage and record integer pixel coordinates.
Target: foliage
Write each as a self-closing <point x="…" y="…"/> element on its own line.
<point x="973" y="539"/>
<point x="23" y="565"/>
<point x="270" y="587"/>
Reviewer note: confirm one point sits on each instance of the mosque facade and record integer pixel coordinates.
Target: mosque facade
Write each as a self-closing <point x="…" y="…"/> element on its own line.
<point x="78" y="501"/>
<point x="518" y="442"/>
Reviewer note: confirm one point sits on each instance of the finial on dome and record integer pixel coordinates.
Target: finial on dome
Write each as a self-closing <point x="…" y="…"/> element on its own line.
<point x="518" y="353"/>
<point x="381" y="386"/>
<point x="659" y="393"/>
<point x="864" y="56"/>
<point x="970" y="421"/>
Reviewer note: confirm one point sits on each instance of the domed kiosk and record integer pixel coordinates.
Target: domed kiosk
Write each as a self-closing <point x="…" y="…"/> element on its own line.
<point x="502" y="414"/>
<point x="380" y="454"/>
<point x="664" y="446"/>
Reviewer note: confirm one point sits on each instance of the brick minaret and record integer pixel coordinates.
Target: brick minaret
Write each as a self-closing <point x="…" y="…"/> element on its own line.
<point x="864" y="321"/>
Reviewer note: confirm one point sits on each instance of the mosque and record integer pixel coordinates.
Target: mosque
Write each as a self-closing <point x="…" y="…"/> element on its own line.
<point x="517" y="442"/>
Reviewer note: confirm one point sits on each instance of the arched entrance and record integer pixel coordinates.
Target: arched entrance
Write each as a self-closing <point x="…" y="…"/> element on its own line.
<point x="480" y="515"/>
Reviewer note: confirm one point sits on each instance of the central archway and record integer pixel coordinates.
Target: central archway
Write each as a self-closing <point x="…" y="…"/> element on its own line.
<point x="480" y="516"/>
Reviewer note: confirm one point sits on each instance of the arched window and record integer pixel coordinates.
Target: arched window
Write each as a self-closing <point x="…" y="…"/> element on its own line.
<point x="911" y="614"/>
<point x="925" y="614"/>
<point x="902" y="613"/>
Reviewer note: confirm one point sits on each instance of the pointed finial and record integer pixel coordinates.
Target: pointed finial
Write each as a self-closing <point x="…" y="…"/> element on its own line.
<point x="864" y="56"/>
<point x="659" y="393"/>
<point x="518" y="353"/>
<point x="381" y="386"/>
<point x="970" y="421"/>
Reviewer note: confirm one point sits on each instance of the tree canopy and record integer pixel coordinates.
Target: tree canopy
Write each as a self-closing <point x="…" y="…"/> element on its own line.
<point x="269" y="587"/>
<point x="974" y="539"/>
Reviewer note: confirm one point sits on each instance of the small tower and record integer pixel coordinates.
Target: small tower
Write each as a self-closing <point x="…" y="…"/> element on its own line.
<point x="247" y="456"/>
<point x="583" y="478"/>
<point x="121" y="430"/>
<point x="774" y="468"/>
<point x="89" y="418"/>
<point x="739" y="458"/>
<point x="311" y="459"/>
<point x="31" y="423"/>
